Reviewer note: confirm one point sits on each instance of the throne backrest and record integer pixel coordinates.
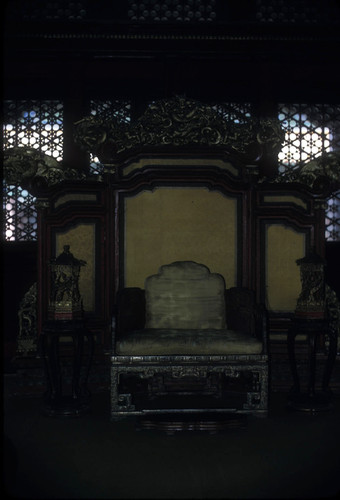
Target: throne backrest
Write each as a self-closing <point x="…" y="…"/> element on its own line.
<point x="185" y="295"/>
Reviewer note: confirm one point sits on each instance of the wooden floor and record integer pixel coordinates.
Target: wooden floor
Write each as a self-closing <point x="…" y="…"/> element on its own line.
<point x="287" y="455"/>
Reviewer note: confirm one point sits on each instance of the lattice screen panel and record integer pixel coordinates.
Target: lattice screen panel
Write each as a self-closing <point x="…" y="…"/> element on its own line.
<point x="333" y="218"/>
<point x="34" y="10"/>
<point x="299" y="12"/>
<point x="310" y="131"/>
<point x="172" y="10"/>
<point x="118" y="110"/>
<point x="108" y="110"/>
<point x="35" y="124"/>
<point x="21" y="217"/>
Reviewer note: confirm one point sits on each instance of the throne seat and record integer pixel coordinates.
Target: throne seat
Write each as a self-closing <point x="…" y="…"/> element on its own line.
<point x="166" y="341"/>
<point x="187" y="334"/>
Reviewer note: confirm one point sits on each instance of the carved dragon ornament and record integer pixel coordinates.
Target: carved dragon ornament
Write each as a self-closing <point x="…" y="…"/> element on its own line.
<point x="182" y="122"/>
<point x="178" y="122"/>
<point x="322" y="174"/>
<point x="35" y="171"/>
<point x="170" y="122"/>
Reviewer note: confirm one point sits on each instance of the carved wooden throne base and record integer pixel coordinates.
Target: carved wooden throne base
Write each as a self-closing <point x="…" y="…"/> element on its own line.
<point x="124" y="401"/>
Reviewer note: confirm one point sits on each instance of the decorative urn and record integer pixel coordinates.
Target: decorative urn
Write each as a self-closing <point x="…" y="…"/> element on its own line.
<point x="311" y="301"/>
<point x="65" y="299"/>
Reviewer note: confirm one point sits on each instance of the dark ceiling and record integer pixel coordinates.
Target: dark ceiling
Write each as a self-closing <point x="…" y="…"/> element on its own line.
<point x="104" y="53"/>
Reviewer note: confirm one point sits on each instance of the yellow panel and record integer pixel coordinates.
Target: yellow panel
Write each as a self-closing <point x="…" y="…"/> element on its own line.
<point x="171" y="224"/>
<point x="177" y="162"/>
<point x="283" y="285"/>
<point x="286" y="199"/>
<point x="82" y="245"/>
<point x="74" y="197"/>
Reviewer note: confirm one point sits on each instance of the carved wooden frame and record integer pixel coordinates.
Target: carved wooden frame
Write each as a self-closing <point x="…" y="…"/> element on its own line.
<point x="197" y="366"/>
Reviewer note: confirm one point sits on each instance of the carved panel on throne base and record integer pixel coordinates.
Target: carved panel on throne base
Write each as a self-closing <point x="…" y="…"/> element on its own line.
<point x="248" y="391"/>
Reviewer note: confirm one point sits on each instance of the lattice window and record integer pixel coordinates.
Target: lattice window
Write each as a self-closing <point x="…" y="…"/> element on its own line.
<point x="119" y="110"/>
<point x="333" y="218"/>
<point x="301" y="11"/>
<point x="238" y="113"/>
<point x="49" y="11"/>
<point x="310" y="131"/>
<point x="35" y="124"/>
<point x="172" y="10"/>
<point x="21" y="216"/>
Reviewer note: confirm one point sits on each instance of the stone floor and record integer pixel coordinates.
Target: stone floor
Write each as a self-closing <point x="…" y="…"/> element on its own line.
<point x="287" y="455"/>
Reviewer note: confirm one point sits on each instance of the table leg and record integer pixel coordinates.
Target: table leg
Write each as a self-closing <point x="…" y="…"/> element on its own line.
<point x="312" y="364"/>
<point x="78" y="343"/>
<point x="292" y="360"/>
<point x="90" y="342"/>
<point x="52" y="365"/>
<point x="114" y="392"/>
<point x="333" y="343"/>
<point x="47" y="369"/>
<point x="57" y="404"/>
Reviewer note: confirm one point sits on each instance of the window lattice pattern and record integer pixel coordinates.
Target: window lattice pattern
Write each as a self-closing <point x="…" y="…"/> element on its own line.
<point x="35" y="124"/>
<point x="332" y="220"/>
<point x="50" y="11"/>
<point x="238" y="113"/>
<point x="108" y="110"/>
<point x="172" y="10"/>
<point x="176" y="11"/>
<point x="302" y="12"/>
<point x="21" y="217"/>
<point x="310" y="131"/>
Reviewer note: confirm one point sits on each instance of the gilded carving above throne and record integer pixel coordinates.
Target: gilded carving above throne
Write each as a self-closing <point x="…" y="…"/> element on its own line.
<point x="179" y="122"/>
<point x="185" y="123"/>
<point x="35" y="171"/>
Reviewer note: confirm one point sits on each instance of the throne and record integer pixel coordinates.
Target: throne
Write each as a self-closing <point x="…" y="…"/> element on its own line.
<point x="181" y="183"/>
<point x="186" y="344"/>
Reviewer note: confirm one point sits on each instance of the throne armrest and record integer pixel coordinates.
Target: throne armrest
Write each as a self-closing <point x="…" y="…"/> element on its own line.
<point x="244" y="314"/>
<point x="261" y="325"/>
<point x="130" y="311"/>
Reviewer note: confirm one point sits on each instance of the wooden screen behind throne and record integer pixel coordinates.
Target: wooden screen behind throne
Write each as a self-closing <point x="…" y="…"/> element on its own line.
<point x="182" y="183"/>
<point x="170" y="224"/>
<point x="250" y="234"/>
